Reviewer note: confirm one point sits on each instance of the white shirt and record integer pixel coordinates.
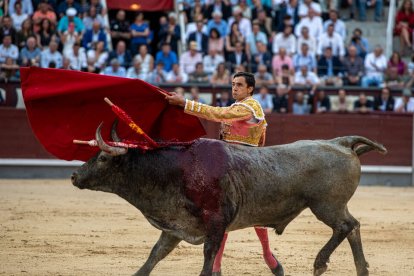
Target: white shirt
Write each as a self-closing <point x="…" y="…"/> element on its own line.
<point x="379" y="62"/>
<point x="145" y="63"/>
<point x="8" y="52"/>
<point x="192" y="27"/>
<point x="410" y="105"/>
<point x="172" y="77"/>
<point x="46" y="57"/>
<point x="188" y="63"/>
<point x="78" y="62"/>
<point x="335" y="42"/>
<point x="311" y="43"/>
<point x="133" y="74"/>
<point x="304" y="10"/>
<point x="101" y="61"/>
<point x="339" y="27"/>
<point x="289" y="43"/>
<point x="301" y="79"/>
<point x="18" y="20"/>
<point x="245" y="26"/>
<point x="210" y="63"/>
<point x="314" y="25"/>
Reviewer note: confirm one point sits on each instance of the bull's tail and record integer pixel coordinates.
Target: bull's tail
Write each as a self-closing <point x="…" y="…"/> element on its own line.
<point x="360" y="144"/>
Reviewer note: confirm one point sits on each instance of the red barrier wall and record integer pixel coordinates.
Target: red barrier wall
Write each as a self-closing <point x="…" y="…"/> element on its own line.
<point x="393" y="130"/>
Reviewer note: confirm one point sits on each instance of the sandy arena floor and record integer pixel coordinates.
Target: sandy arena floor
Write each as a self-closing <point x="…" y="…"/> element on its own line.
<point x="49" y="227"/>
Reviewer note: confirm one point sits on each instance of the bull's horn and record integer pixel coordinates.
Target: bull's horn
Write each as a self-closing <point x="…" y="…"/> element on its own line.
<point x="114" y="151"/>
<point x="114" y="135"/>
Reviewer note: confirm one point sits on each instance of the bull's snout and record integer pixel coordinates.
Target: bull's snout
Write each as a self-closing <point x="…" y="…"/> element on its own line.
<point x="74" y="179"/>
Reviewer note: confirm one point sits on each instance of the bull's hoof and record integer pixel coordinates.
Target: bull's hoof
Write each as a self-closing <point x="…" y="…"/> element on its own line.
<point x="216" y="273"/>
<point x="278" y="271"/>
<point x="319" y="271"/>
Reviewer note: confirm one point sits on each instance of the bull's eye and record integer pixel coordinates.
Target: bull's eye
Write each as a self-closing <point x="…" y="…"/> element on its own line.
<point x="102" y="158"/>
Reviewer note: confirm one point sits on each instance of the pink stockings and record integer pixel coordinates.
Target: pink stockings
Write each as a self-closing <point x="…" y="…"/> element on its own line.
<point x="264" y="240"/>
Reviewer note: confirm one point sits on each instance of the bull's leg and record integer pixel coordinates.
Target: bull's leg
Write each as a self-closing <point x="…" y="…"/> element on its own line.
<point x="215" y="235"/>
<point x="341" y="224"/>
<point x="354" y="239"/>
<point x="165" y="244"/>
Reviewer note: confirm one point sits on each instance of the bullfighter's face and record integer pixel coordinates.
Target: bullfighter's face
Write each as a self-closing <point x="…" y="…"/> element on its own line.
<point x="240" y="90"/>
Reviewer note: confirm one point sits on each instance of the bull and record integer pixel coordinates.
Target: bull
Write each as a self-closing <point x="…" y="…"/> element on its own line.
<point x="195" y="193"/>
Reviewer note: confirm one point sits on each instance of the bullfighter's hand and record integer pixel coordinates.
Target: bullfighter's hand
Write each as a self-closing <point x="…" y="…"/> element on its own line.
<point x="175" y="99"/>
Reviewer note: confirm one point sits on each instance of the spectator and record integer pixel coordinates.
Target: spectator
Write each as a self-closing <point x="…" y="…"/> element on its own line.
<point x="300" y="106"/>
<point x="98" y="56"/>
<point x="19" y="16"/>
<point x="375" y="65"/>
<point x="69" y="4"/>
<point x="265" y="22"/>
<point x="410" y="66"/>
<point x="211" y="61"/>
<point x="24" y="33"/>
<point x="221" y="76"/>
<point x="223" y="7"/>
<point x="66" y="64"/>
<point x="304" y="58"/>
<point x="93" y="36"/>
<point x="263" y="56"/>
<point x="30" y="54"/>
<point x="120" y="29"/>
<point x="217" y="23"/>
<point x="341" y="104"/>
<point x="199" y="75"/>
<point x="191" y="27"/>
<point x="362" y="9"/>
<point x="95" y="4"/>
<point x="233" y="37"/>
<point x="395" y="63"/>
<point x="306" y="38"/>
<point x="70" y="17"/>
<point x="7" y="28"/>
<point x="339" y="25"/>
<point x="170" y="33"/>
<point x="330" y="69"/>
<point x="286" y="40"/>
<point x="263" y="77"/>
<point x="361" y="43"/>
<point x="189" y="59"/>
<point x="196" y="10"/>
<point x="199" y="37"/>
<point x="224" y="100"/>
<point x="69" y="38"/>
<point x="323" y="103"/>
<point x="280" y="100"/>
<point x="265" y="99"/>
<point x="288" y="12"/>
<point x="176" y="75"/>
<point x="279" y="61"/>
<point x="115" y="69"/>
<point x="195" y="95"/>
<point x="44" y="11"/>
<point x="304" y="77"/>
<point x="91" y="17"/>
<point x="8" y="50"/>
<point x="404" y="23"/>
<point x="405" y="103"/>
<point x="122" y="54"/>
<point x="333" y="40"/>
<point x="135" y="72"/>
<point x="158" y="75"/>
<point x="363" y="105"/>
<point x="314" y="24"/>
<point x="166" y="56"/>
<point x="146" y="60"/>
<point x="9" y="70"/>
<point x="26" y="6"/>
<point x="216" y="42"/>
<point x="243" y="23"/>
<point x="246" y="10"/>
<point x="285" y="79"/>
<point x="51" y="55"/>
<point x="254" y="38"/>
<point x="46" y="34"/>
<point x="140" y="33"/>
<point x="180" y="91"/>
<point x="308" y="5"/>
<point x="385" y="101"/>
<point x="77" y="57"/>
<point x="353" y="67"/>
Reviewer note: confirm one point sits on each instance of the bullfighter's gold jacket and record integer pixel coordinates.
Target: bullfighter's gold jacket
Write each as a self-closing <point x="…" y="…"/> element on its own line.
<point x="243" y="122"/>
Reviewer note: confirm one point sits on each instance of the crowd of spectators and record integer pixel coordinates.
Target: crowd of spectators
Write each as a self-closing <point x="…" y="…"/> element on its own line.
<point x="284" y="43"/>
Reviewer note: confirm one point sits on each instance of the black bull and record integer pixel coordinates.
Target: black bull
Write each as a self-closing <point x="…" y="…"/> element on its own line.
<point x="196" y="193"/>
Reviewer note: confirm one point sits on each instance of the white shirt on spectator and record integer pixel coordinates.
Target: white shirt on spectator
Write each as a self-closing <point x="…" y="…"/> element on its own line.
<point x="335" y="42"/>
<point x="314" y="25"/>
<point x="253" y="39"/>
<point x="174" y="78"/>
<point x="133" y="74"/>
<point x="301" y="79"/>
<point x="245" y="26"/>
<point x="399" y="103"/>
<point x="78" y="62"/>
<point x="145" y="63"/>
<point x="192" y="27"/>
<point x="311" y="43"/>
<point x="47" y="57"/>
<point x="18" y="20"/>
<point x="339" y="27"/>
<point x="289" y="43"/>
<point x="210" y="63"/>
<point x="27" y="6"/>
<point x="375" y="66"/>
<point x="304" y="9"/>
<point x="188" y="62"/>
<point x="109" y="71"/>
<point x="8" y="52"/>
<point x="101" y="61"/>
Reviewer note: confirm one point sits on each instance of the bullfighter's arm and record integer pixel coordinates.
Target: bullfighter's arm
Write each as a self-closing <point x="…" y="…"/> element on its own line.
<point x="218" y="114"/>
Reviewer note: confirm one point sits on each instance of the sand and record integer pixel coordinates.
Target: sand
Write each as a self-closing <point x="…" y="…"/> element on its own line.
<point x="49" y="227"/>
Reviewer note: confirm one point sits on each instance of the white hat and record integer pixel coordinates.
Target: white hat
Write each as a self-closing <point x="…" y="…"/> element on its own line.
<point x="71" y="12"/>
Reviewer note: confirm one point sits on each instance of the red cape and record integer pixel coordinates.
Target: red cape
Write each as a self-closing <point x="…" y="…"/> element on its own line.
<point x="64" y="105"/>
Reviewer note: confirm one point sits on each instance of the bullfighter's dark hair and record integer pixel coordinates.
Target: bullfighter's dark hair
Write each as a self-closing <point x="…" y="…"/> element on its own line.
<point x="249" y="77"/>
